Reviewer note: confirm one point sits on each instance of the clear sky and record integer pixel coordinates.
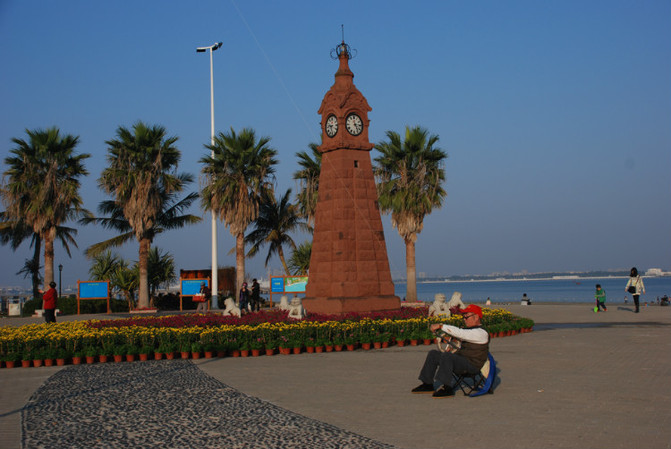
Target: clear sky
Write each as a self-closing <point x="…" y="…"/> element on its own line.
<point x="556" y="115"/>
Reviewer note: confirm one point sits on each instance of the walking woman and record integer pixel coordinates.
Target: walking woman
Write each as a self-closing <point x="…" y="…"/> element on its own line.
<point x="635" y="286"/>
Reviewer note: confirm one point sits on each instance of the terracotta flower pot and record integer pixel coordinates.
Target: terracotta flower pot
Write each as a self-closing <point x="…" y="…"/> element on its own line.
<point x="9" y="364"/>
<point x="118" y="358"/>
<point x="209" y="354"/>
<point x="377" y="344"/>
<point x="61" y="362"/>
<point x="170" y="355"/>
<point x="130" y="357"/>
<point x="350" y="347"/>
<point x="297" y="350"/>
<point x="256" y="352"/>
<point x="89" y="359"/>
<point x="319" y="349"/>
<point x="144" y="357"/>
<point x="158" y="355"/>
<point x="76" y="360"/>
<point x="25" y="363"/>
<point x="365" y="346"/>
<point x="103" y="358"/>
<point x="310" y="349"/>
<point x="195" y="355"/>
<point x="48" y="362"/>
<point x="285" y="351"/>
<point x="235" y="353"/>
<point x="37" y="363"/>
<point x="270" y="351"/>
<point x="221" y="353"/>
<point x="400" y="342"/>
<point x="185" y="354"/>
<point x="413" y="342"/>
<point x="244" y="353"/>
<point x="338" y="348"/>
<point x="385" y="344"/>
<point x="329" y="348"/>
<point x="428" y="341"/>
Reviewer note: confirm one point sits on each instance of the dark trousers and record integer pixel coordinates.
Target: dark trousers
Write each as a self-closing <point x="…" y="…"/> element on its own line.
<point x="439" y="367"/>
<point x="601" y="305"/>
<point x="636" y="302"/>
<point x="49" y="315"/>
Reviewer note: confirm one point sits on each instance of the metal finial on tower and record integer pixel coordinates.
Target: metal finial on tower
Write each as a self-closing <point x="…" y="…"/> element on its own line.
<point x="343" y="48"/>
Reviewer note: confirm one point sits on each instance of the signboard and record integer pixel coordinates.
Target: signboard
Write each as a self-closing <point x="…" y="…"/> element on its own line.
<point x="93" y="290"/>
<point x="191" y="287"/>
<point x="277" y="285"/>
<point x="295" y="284"/>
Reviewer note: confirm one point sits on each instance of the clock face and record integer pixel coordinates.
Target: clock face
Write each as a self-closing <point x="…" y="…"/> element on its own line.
<point x="331" y="125"/>
<point x="354" y="124"/>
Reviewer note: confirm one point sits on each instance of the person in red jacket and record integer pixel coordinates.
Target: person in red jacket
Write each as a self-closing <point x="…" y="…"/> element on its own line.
<point x="49" y="303"/>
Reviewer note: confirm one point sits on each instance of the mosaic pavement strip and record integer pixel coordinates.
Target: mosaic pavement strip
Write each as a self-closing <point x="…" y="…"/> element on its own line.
<point x="165" y="404"/>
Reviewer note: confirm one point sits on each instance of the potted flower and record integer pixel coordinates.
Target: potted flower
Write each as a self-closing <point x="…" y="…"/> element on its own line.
<point x="244" y="348"/>
<point x="90" y="352"/>
<point x="26" y="359"/>
<point x="119" y="351"/>
<point x="338" y="342"/>
<point x="10" y="359"/>
<point x="131" y="352"/>
<point x="62" y="355"/>
<point x="270" y="345"/>
<point x="310" y="345"/>
<point x="144" y="351"/>
<point x="256" y="344"/>
<point x="196" y="349"/>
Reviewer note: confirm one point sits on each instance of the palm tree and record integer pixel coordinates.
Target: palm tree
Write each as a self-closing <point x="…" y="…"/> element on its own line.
<point x="141" y="177"/>
<point x="237" y="175"/>
<point x="410" y="175"/>
<point x="308" y="176"/>
<point x="105" y="265"/>
<point x="42" y="190"/>
<point x="161" y="269"/>
<point x="299" y="262"/>
<point x="277" y="218"/>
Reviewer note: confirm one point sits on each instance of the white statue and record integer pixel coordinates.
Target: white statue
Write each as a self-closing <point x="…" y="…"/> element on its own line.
<point x="455" y="301"/>
<point x="439" y="306"/>
<point x="296" y="309"/>
<point x="284" y="302"/>
<point x="231" y="309"/>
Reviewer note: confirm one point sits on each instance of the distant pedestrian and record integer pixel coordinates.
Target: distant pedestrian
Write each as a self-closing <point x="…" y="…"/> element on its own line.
<point x="256" y="296"/>
<point x="49" y="303"/>
<point x="635" y="286"/>
<point x="205" y="298"/>
<point x="600" y="297"/>
<point x="526" y="301"/>
<point x="244" y="298"/>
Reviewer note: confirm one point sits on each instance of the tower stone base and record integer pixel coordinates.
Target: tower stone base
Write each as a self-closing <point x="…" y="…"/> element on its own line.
<point x="346" y="305"/>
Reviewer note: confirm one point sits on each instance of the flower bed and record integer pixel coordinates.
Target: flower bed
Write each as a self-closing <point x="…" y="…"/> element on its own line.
<point x="194" y="333"/>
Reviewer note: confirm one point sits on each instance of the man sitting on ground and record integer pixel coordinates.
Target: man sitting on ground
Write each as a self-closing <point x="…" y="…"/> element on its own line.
<point x="439" y="366"/>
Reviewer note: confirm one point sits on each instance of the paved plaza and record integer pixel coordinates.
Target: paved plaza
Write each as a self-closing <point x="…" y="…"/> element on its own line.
<point x="581" y="379"/>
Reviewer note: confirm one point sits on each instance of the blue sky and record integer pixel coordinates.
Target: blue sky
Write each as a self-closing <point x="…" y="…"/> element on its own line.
<point x="556" y="116"/>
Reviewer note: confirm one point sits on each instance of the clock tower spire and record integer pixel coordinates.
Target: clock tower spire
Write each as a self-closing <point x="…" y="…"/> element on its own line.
<point x="349" y="268"/>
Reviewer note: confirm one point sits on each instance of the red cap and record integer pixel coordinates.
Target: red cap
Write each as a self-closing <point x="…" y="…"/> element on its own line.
<point x="472" y="308"/>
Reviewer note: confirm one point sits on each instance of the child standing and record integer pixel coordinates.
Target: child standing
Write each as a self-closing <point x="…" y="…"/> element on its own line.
<point x="600" y="297"/>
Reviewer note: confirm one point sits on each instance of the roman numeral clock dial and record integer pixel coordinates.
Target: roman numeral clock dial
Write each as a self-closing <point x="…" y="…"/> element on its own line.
<point x="354" y="124"/>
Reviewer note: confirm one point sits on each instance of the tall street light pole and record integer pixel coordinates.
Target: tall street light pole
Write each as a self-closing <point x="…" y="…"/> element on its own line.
<point x="60" y="282"/>
<point x="215" y="268"/>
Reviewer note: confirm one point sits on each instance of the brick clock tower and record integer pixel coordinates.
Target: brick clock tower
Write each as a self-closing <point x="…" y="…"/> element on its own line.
<point x="349" y="268"/>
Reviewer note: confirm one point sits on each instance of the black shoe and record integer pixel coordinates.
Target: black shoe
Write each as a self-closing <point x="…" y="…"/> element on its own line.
<point x="424" y="388"/>
<point x="443" y="392"/>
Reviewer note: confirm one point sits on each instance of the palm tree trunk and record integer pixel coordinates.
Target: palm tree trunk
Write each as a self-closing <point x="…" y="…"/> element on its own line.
<point x="49" y="256"/>
<point x="411" y="271"/>
<point x="280" y="252"/>
<point x="239" y="260"/>
<point x="143" y="263"/>
<point x="36" y="261"/>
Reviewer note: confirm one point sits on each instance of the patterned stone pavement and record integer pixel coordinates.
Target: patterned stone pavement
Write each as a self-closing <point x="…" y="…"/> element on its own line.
<point x="156" y="404"/>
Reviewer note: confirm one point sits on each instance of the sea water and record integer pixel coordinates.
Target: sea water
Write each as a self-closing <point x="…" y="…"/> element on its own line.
<point x="546" y="290"/>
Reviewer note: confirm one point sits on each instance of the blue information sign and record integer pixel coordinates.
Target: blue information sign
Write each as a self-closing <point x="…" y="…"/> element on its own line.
<point x="93" y="289"/>
<point x="277" y="285"/>
<point x="192" y="286"/>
